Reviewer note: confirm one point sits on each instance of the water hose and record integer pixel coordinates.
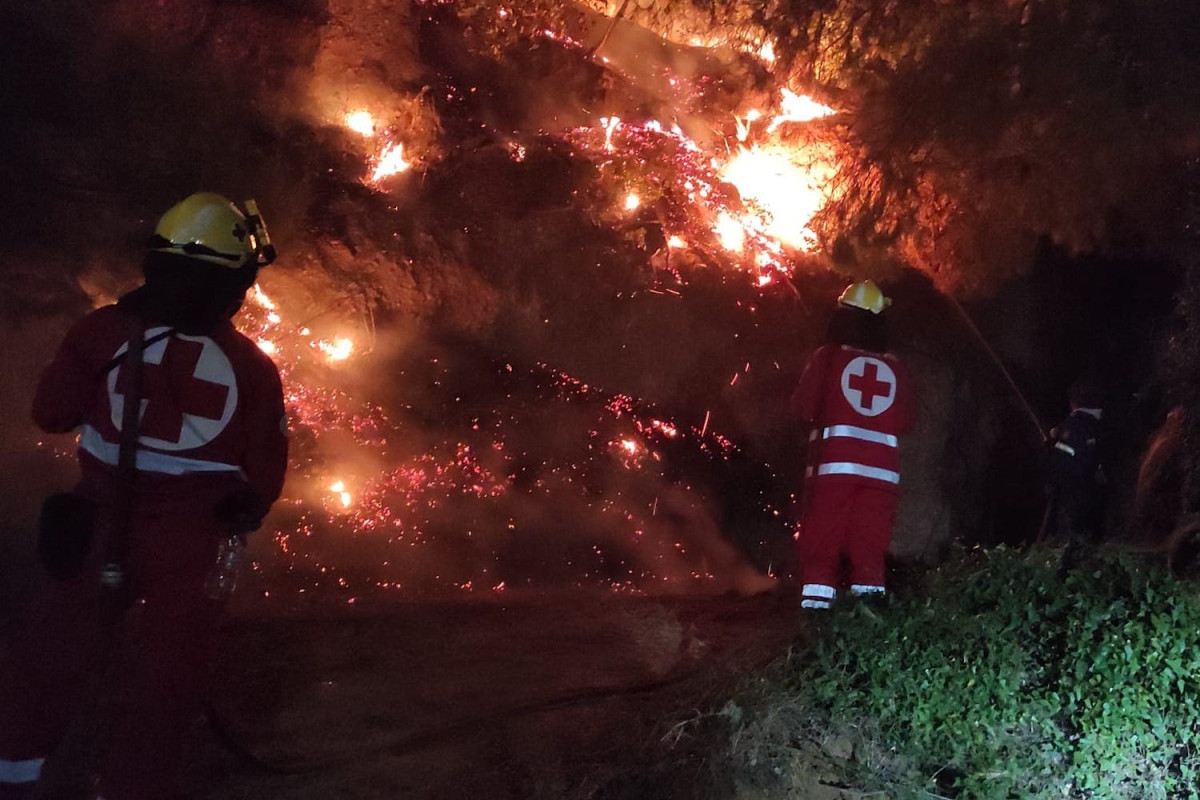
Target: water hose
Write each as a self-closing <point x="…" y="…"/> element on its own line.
<point x="987" y="348"/>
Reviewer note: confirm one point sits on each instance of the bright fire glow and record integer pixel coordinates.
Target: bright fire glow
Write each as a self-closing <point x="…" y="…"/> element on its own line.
<point x="339" y="488"/>
<point x="261" y="298"/>
<point x="610" y="124"/>
<point x="789" y="192"/>
<point x="730" y="232"/>
<point x="782" y="176"/>
<point x="361" y="122"/>
<point x="632" y="201"/>
<point x="798" y="108"/>
<point x="337" y="350"/>
<point x="391" y="162"/>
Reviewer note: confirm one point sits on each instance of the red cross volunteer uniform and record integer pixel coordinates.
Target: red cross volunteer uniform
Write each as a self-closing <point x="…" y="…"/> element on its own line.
<point x="856" y="402"/>
<point x="212" y="432"/>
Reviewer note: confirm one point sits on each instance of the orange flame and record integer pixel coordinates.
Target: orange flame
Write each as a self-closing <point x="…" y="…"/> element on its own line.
<point x="337" y="350"/>
<point x="339" y="489"/>
<point x="391" y="162"/>
<point x="361" y="122"/>
<point x="788" y="191"/>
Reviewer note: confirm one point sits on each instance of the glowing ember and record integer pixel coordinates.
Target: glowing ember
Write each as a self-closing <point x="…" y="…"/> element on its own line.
<point x="781" y="183"/>
<point x="798" y="108"/>
<point x="610" y="124"/>
<point x="391" y="161"/>
<point x="730" y="232"/>
<point x="632" y="201"/>
<point x="339" y="488"/>
<point x="337" y="350"/>
<point x="261" y="298"/>
<point x="361" y="122"/>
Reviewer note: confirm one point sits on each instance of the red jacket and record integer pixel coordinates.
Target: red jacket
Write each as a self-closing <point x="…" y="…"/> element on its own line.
<point x="212" y="411"/>
<point x="857" y="403"/>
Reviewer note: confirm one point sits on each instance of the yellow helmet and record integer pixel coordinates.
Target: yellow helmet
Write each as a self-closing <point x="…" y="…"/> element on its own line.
<point x="865" y="295"/>
<point x="209" y="227"/>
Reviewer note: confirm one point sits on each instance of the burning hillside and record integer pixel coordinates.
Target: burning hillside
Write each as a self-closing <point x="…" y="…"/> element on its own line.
<point x="532" y="476"/>
<point x="551" y="268"/>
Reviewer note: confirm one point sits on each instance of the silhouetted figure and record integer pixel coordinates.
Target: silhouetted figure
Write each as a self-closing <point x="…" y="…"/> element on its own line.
<point x="1075" y="475"/>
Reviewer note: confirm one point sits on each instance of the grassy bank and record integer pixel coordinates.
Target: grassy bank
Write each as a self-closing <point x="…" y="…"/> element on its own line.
<point x="996" y="678"/>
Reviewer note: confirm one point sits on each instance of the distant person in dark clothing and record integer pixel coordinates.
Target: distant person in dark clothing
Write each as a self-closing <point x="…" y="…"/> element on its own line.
<point x="1075" y="474"/>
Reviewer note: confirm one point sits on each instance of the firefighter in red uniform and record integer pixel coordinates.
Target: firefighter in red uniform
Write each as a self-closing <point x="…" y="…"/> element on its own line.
<point x="853" y="396"/>
<point x="208" y="461"/>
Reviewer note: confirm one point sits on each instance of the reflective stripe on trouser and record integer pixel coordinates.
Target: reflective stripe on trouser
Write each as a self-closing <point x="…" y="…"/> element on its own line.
<point x="854" y="432"/>
<point x="847" y="524"/>
<point x="859" y="589"/>
<point x="25" y="771"/>
<point x="817" y="595"/>
<point x="857" y="470"/>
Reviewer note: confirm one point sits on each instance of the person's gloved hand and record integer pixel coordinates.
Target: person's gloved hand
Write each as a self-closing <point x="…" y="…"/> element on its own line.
<point x="240" y="511"/>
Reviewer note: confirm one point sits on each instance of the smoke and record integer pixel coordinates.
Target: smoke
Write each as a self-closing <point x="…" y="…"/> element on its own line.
<point x="466" y="473"/>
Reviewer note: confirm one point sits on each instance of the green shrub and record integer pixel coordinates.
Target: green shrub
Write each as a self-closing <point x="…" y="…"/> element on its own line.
<point x="1002" y="680"/>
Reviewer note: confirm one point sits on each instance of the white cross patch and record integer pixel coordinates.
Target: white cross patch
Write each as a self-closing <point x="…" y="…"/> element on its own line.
<point x="187" y="402"/>
<point x="869" y="385"/>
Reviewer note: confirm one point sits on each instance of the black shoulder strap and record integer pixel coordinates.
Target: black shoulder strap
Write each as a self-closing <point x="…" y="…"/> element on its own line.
<point x="113" y="575"/>
<point x="119" y="359"/>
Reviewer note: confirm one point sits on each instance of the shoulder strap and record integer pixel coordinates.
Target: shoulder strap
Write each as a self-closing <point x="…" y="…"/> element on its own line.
<point x="113" y="575"/>
<point x="118" y="360"/>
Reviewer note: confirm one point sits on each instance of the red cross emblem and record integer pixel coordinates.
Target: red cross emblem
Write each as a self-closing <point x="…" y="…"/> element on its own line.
<point x="188" y="392"/>
<point x="869" y="385"/>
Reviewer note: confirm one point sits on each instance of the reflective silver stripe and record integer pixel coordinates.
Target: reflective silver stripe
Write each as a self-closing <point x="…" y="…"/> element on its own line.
<point x="818" y="590"/>
<point x="855" y="432"/>
<point x="21" y="771"/>
<point x="815" y="604"/>
<point x="858" y="589"/>
<point x="850" y="468"/>
<point x="1066" y="448"/>
<point x="148" y="461"/>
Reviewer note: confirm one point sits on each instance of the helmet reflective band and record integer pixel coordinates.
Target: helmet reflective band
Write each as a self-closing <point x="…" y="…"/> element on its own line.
<point x="208" y="227"/>
<point x="865" y="295"/>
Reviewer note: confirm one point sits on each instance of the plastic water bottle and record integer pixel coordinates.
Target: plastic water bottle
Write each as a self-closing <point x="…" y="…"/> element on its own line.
<point x="223" y="579"/>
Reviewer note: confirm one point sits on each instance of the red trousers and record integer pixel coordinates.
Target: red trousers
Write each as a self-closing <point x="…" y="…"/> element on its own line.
<point x="846" y="533"/>
<point x="48" y="666"/>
